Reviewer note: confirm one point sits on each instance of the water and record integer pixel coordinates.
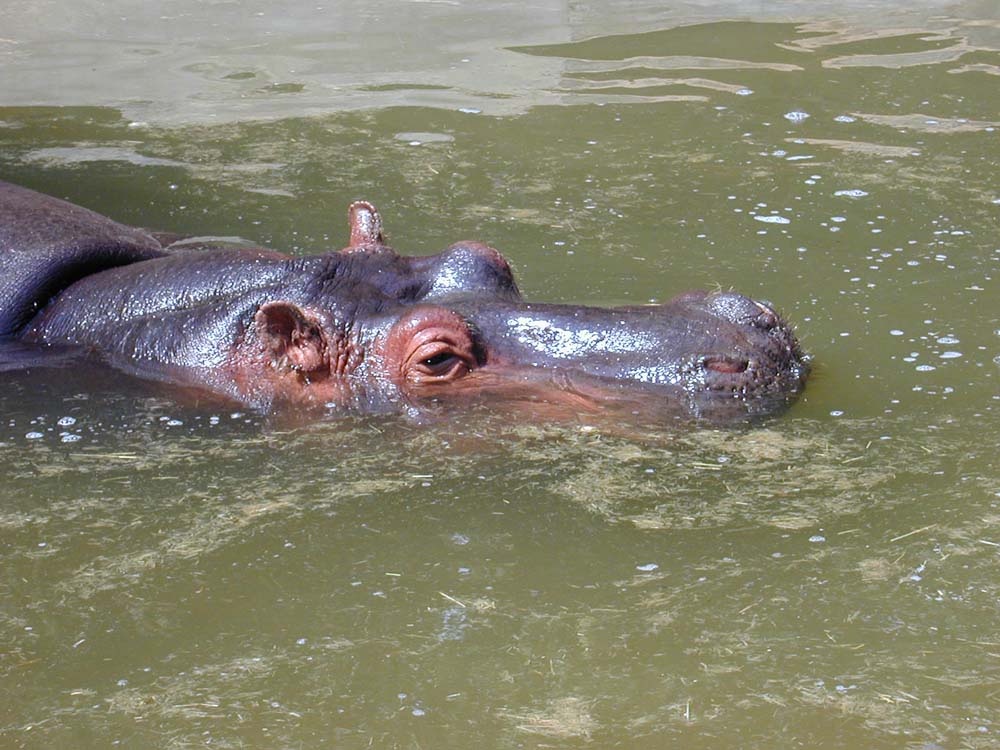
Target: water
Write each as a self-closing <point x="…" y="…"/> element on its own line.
<point x="176" y="573"/>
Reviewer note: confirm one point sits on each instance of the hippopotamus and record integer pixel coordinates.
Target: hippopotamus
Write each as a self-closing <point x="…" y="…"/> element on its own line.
<point x="365" y="328"/>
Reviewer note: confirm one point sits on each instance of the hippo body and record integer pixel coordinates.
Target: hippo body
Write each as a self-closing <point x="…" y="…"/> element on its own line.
<point x="365" y="327"/>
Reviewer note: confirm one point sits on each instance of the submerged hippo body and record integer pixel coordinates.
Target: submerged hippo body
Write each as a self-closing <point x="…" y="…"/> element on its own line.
<point x="365" y="327"/>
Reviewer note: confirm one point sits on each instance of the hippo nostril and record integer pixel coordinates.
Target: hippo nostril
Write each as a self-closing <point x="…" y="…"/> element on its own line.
<point x="727" y="365"/>
<point x="742" y="310"/>
<point x="768" y="319"/>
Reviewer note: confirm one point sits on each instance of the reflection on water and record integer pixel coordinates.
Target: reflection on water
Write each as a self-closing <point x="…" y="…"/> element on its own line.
<point x="182" y="574"/>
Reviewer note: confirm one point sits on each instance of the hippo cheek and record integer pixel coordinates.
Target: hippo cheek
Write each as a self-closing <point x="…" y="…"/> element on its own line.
<point x="429" y="347"/>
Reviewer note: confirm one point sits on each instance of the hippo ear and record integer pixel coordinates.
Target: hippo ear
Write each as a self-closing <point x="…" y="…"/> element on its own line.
<point x="366" y="228"/>
<point x="291" y="337"/>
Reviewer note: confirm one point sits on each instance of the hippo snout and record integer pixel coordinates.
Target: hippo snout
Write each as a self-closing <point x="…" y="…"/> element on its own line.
<point x="757" y="351"/>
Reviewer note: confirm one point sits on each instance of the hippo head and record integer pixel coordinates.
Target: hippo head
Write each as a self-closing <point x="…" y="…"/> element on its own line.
<point x="368" y="326"/>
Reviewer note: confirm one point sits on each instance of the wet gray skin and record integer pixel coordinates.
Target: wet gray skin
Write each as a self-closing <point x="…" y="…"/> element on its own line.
<point x="370" y="329"/>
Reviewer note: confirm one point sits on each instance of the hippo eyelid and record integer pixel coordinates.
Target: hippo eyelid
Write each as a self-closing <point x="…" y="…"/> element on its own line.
<point x="445" y="364"/>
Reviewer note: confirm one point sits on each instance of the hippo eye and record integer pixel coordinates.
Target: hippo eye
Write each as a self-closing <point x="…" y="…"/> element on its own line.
<point x="430" y="345"/>
<point x="437" y="360"/>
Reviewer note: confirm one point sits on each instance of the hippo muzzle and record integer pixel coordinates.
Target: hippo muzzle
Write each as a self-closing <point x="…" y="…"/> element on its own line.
<point x="702" y="352"/>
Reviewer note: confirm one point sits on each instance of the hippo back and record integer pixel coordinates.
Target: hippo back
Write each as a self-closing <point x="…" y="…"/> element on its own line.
<point x="47" y="244"/>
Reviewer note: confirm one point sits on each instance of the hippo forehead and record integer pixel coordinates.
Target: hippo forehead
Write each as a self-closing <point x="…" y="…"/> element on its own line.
<point x="464" y="270"/>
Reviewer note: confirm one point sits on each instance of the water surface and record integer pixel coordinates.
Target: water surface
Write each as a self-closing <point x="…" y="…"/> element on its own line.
<point x="184" y="574"/>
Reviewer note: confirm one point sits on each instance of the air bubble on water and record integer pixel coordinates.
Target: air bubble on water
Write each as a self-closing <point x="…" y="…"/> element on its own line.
<point x="418" y="712"/>
<point x="647" y="567"/>
<point x="69" y="437"/>
<point x="853" y="193"/>
<point x="896" y="332"/>
<point x="174" y="423"/>
<point x="796" y="116"/>
<point x="470" y="111"/>
<point x="744" y="92"/>
<point x="950" y="355"/>
<point x="948" y="340"/>
<point x="34" y="435"/>
<point x="838" y="219"/>
<point x="845" y="118"/>
<point x="817" y="538"/>
<point x="925" y="368"/>
<point x="773" y="219"/>
<point x="66" y="421"/>
<point x="836" y="413"/>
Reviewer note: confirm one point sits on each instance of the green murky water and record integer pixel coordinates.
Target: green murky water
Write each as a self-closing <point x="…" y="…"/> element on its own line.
<point x="175" y="575"/>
